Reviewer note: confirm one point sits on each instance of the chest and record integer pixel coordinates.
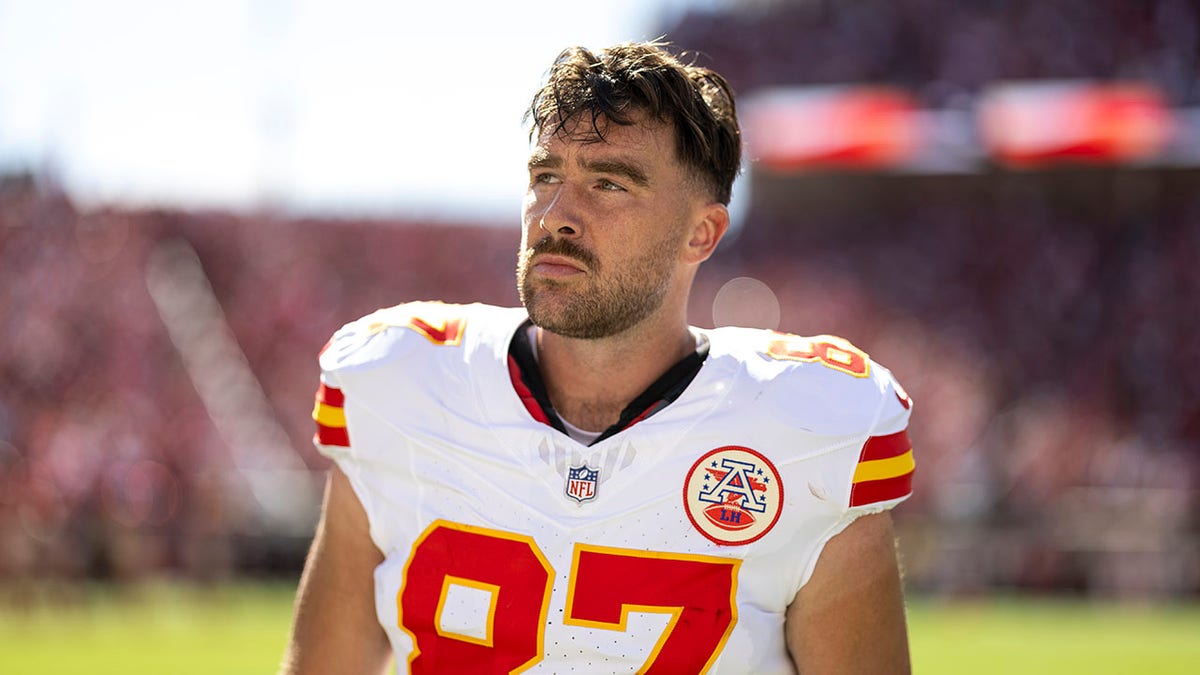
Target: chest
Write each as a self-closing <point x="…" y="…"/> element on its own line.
<point x="511" y="535"/>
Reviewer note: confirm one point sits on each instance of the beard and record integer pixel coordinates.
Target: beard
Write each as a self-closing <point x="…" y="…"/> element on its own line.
<point x="607" y="303"/>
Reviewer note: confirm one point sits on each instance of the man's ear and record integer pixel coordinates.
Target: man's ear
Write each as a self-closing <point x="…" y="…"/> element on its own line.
<point x="707" y="229"/>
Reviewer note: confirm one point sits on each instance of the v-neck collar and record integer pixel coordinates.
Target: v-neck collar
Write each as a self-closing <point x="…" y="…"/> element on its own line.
<point x="531" y="388"/>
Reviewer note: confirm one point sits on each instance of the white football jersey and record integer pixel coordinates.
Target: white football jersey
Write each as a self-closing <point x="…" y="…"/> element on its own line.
<point x="673" y="546"/>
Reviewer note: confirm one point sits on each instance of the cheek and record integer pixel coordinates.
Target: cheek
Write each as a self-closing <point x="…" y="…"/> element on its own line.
<point x="528" y="203"/>
<point x="529" y="221"/>
<point x="527" y="240"/>
<point x="662" y="231"/>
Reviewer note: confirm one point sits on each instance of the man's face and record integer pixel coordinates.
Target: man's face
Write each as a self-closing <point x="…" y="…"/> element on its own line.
<point x="604" y="227"/>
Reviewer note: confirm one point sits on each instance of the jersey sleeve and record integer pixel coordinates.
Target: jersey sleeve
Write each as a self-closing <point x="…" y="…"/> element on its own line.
<point x="359" y="354"/>
<point x="884" y="466"/>
<point x="332" y="438"/>
<point x="870" y="468"/>
<point x="354" y="347"/>
<point x="871" y="471"/>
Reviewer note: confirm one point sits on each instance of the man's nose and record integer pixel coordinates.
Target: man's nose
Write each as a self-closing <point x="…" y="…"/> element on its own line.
<point x="561" y="216"/>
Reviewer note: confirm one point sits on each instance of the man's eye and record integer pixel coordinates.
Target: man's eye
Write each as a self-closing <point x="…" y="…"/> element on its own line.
<point x="544" y="178"/>
<point x="606" y="184"/>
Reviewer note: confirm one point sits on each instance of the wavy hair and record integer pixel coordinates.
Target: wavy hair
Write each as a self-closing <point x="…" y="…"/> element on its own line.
<point x="623" y="80"/>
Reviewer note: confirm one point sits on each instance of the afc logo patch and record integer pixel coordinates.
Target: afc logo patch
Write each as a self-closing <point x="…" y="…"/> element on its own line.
<point x="581" y="483"/>
<point x="733" y="495"/>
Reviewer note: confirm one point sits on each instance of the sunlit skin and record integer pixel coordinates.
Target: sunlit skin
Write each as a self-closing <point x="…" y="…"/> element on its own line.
<point x="614" y="231"/>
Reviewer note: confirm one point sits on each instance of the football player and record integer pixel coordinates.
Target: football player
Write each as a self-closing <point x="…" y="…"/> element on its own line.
<point x="587" y="483"/>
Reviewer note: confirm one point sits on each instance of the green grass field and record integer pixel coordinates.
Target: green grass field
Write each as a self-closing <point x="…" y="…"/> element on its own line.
<point x="176" y="630"/>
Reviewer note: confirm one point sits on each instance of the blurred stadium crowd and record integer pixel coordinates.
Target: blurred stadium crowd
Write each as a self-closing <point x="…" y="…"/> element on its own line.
<point x="947" y="52"/>
<point x="1045" y="322"/>
<point x="110" y="462"/>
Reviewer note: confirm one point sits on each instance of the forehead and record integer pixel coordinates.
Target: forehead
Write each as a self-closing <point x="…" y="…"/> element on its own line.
<point x="645" y="137"/>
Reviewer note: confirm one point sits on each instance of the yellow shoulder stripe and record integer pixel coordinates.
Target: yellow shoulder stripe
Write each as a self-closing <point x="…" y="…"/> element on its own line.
<point x="329" y="416"/>
<point x="879" y="469"/>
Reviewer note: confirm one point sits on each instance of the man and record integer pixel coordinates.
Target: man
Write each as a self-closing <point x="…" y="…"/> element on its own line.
<point x="588" y="484"/>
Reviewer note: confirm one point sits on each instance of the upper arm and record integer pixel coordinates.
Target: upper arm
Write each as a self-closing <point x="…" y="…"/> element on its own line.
<point x="849" y="616"/>
<point x="335" y="628"/>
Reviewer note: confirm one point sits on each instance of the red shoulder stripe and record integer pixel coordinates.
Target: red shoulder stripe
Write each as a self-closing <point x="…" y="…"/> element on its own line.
<point x="873" y="491"/>
<point x="331" y="427"/>
<point x="885" y="447"/>
<point x="331" y="396"/>
<point x="332" y="436"/>
<point x="884" y="471"/>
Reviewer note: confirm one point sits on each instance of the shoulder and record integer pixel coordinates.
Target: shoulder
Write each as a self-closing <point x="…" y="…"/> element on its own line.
<point x="413" y="331"/>
<point x="824" y="384"/>
<point x="838" y="416"/>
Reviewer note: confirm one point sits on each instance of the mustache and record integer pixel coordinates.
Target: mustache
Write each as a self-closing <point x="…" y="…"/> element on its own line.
<point x="565" y="248"/>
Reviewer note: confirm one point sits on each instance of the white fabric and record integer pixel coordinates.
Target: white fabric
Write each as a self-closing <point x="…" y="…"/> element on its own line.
<point x="438" y="434"/>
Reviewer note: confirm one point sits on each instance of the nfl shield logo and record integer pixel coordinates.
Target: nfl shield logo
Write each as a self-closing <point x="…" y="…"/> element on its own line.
<point x="581" y="483"/>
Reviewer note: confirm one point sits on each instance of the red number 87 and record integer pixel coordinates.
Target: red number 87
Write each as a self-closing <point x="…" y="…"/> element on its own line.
<point x="605" y="585"/>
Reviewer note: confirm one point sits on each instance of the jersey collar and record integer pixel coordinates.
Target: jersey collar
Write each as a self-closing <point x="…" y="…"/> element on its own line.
<point x="527" y="381"/>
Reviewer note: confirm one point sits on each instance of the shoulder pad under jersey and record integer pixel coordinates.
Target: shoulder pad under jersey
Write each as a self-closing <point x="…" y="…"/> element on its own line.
<point x="394" y="333"/>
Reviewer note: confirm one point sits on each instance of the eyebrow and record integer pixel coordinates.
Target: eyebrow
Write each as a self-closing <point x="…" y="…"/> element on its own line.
<point x="616" y="167"/>
<point x="542" y="159"/>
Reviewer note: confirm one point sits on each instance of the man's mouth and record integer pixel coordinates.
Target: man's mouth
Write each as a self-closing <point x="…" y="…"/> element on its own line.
<point x="557" y="266"/>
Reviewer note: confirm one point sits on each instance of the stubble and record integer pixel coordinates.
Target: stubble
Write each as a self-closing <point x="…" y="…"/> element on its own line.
<point x="607" y="303"/>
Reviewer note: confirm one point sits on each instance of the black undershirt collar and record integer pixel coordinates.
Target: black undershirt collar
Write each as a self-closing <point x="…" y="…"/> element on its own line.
<point x="657" y="396"/>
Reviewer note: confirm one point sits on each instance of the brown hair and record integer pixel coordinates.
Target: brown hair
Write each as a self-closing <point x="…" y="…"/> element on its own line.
<point x="628" y="78"/>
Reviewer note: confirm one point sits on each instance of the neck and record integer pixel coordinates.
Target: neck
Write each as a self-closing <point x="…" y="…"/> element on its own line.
<point x="591" y="381"/>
